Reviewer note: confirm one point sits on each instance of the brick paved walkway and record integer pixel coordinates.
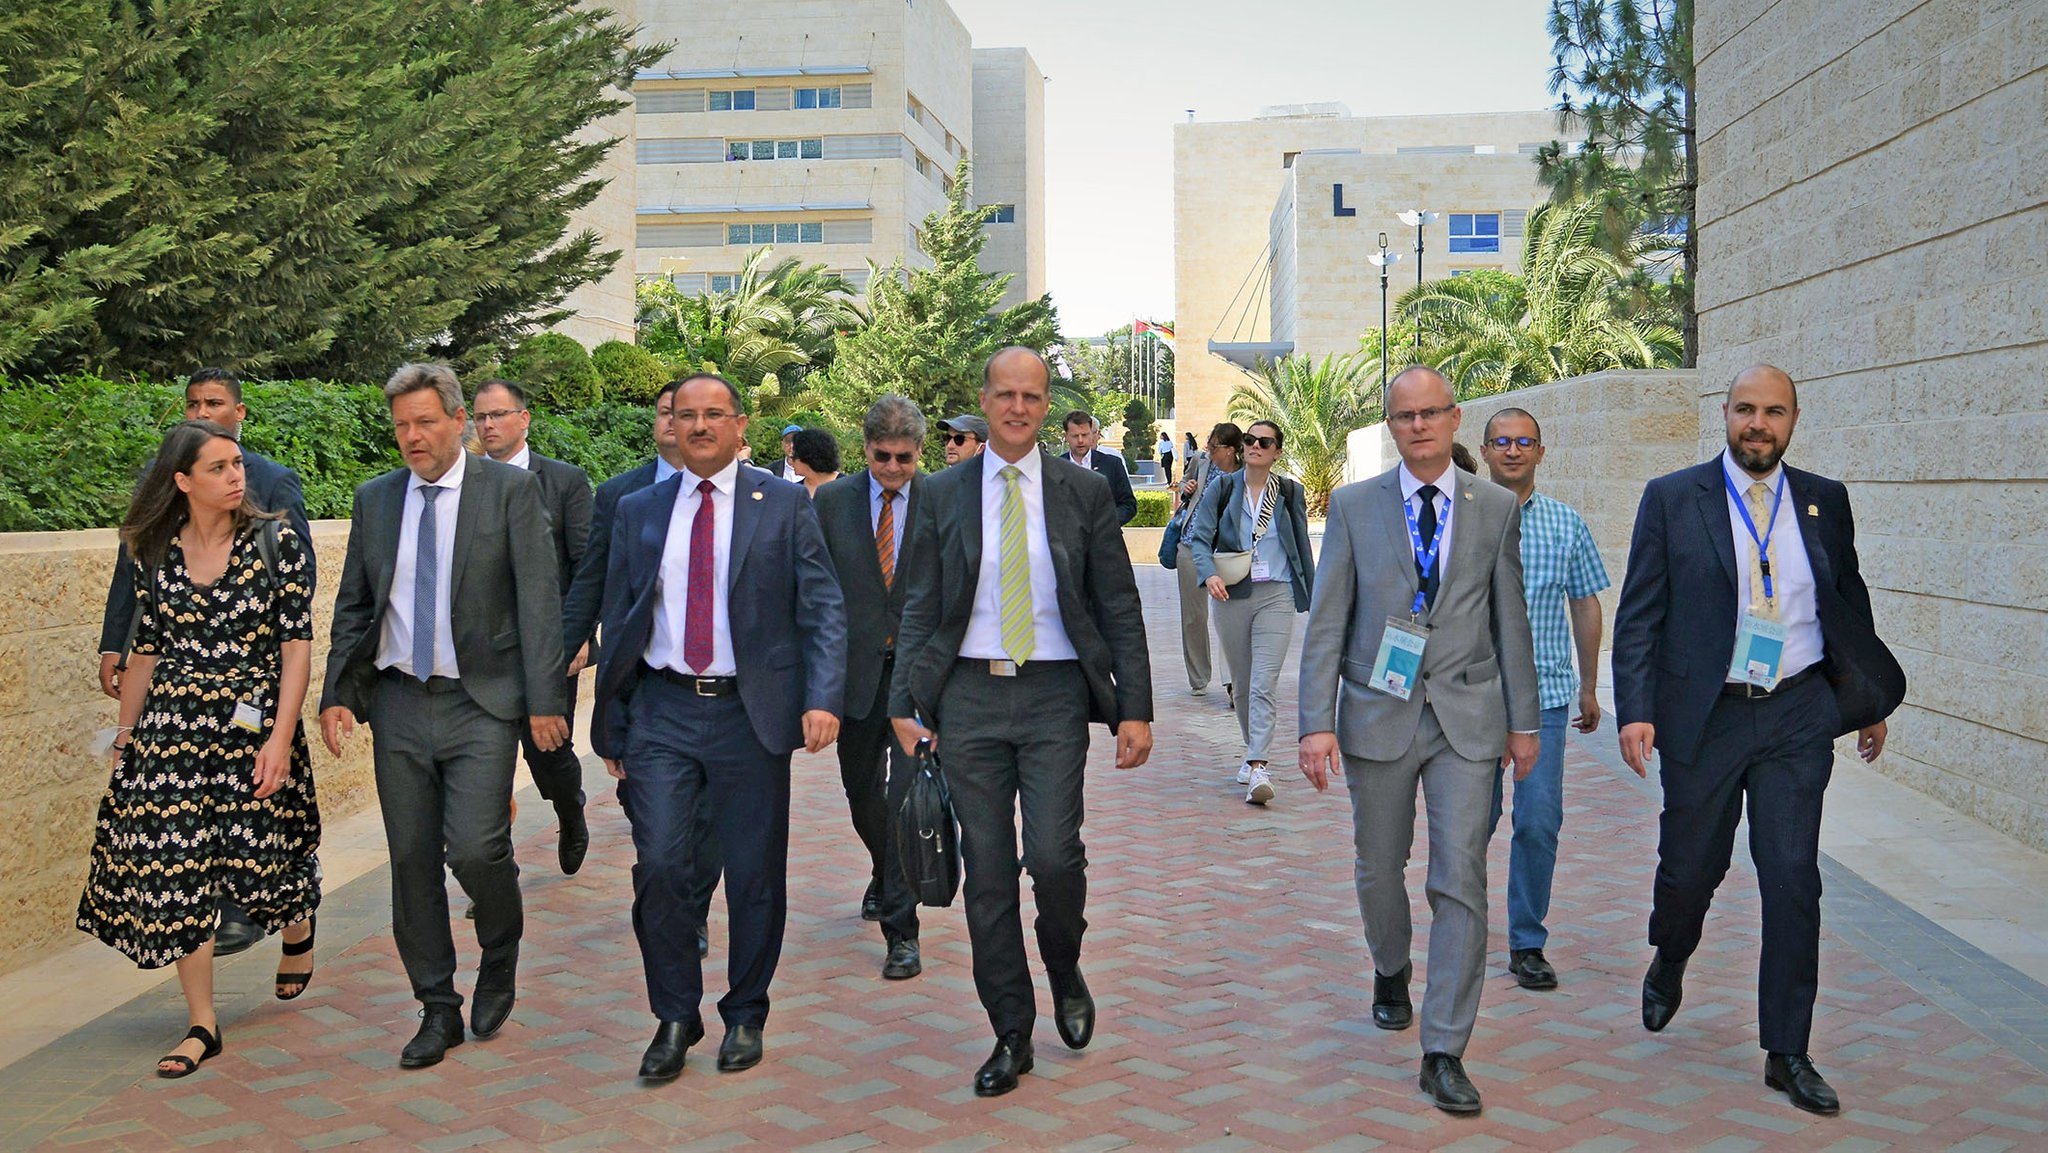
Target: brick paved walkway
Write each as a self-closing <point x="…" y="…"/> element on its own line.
<point x="1226" y="956"/>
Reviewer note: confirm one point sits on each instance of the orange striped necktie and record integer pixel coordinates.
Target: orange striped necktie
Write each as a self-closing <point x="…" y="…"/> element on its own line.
<point x="885" y="539"/>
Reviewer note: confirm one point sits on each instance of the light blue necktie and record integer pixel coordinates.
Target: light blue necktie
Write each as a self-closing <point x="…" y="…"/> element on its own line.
<point x="425" y="576"/>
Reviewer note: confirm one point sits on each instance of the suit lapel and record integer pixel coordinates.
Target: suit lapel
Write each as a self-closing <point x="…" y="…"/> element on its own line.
<point x="1394" y="526"/>
<point x="1797" y="501"/>
<point x="392" y="520"/>
<point x="1713" y="506"/>
<point x="1062" y="524"/>
<point x="480" y="485"/>
<point x="654" y="534"/>
<point x="746" y="517"/>
<point x="1465" y="559"/>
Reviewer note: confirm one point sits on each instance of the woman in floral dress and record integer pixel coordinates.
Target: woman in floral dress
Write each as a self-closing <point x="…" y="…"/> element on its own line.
<point x="211" y="795"/>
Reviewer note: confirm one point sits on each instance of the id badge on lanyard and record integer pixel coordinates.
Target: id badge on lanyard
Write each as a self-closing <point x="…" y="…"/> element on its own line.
<point x="1759" y="641"/>
<point x="1398" y="667"/>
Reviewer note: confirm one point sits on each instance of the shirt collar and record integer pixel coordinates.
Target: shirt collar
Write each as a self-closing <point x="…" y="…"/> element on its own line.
<point x="1410" y="482"/>
<point x="875" y="490"/>
<point x="452" y="479"/>
<point x="724" y="480"/>
<point x="1032" y="466"/>
<point x="1741" y="479"/>
<point x="523" y="458"/>
<point x="663" y="470"/>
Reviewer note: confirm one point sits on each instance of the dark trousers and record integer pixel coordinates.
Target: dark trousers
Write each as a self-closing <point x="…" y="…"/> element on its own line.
<point x="1779" y="751"/>
<point x="1011" y="744"/>
<point x="687" y="754"/>
<point x="559" y="774"/>
<point x="876" y="774"/>
<point x="444" y="783"/>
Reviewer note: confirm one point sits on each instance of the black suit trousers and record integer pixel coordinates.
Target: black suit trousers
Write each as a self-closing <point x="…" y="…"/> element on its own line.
<point x="876" y="775"/>
<point x="1011" y="745"/>
<point x="1779" y="752"/>
<point x="559" y="774"/>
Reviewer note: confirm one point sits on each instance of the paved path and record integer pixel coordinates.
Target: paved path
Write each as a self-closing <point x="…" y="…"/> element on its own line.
<point x="1226" y="956"/>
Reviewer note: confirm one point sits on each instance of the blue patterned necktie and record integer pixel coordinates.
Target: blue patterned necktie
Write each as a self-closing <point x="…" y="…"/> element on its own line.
<point x="425" y="577"/>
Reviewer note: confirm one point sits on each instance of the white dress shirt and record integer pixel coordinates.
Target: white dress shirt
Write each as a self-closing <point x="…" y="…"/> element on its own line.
<point x="394" y="646"/>
<point x="984" y="639"/>
<point x="523" y="458"/>
<point x="1791" y="576"/>
<point x="899" y="513"/>
<point x="665" y="649"/>
<point x="1085" y="460"/>
<point x="1446" y="485"/>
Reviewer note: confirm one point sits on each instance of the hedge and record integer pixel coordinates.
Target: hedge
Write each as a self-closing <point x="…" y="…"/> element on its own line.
<point x="1153" y="510"/>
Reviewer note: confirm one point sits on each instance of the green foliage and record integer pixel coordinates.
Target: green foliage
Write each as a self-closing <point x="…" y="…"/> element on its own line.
<point x="557" y="373"/>
<point x="603" y="440"/>
<point x="781" y="320"/>
<point x="630" y="373"/>
<point x="1153" y="509"/>
<point x="1109" y="366"/>
<point x="296" y="187"/>
<point x="1140" y="434"/>
<point x="1316" y="406"/>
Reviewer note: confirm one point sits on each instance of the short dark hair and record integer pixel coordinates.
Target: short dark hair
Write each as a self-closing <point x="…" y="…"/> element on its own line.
<point x="1487" y="432"/>
<point x="1228" y="435"/>
<point x="1078" y="417"/>
<point x="668" y="390"/>
<point x="1279" y="438"/>
<point x="517" y="393"/>
<point x="739" y="404"/>
<point x="219" y="376"/>
<point x="818" y="449"/>
<point x="1462" y="457"/>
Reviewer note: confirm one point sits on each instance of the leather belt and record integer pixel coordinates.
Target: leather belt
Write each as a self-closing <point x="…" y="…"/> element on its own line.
<point x="431" y="684"/>
<point x="702" y="686"/>
<point x="1746" y="691"/>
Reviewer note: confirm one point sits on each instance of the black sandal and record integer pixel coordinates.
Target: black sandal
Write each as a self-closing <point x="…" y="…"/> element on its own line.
<point x="185" y="1066"/>
<point x="290" y="985"/>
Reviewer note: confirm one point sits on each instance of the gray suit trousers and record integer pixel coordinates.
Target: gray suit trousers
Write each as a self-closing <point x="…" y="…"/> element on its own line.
<point x="1458" y="795"/>
<point x="1194" y="619"/>
<point x="1256" y="626"/>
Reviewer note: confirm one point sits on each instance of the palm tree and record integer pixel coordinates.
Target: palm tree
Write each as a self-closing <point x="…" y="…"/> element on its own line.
<point x="1316" y="406"/>
<point x="778" y="321"/>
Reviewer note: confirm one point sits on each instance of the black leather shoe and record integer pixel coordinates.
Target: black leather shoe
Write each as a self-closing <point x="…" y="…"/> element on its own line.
<point x="1663" y="989"/>
<point x="1443" y="1078"/>
<point x="905" y="961"/>
<point x="440" y="1031"/>
<point x="236" y="934"/>
<point x="871" y="902"/>
<point x="1391" y="1008"/>
<point x="575" y="837"/>
<point x="741" y="1048"/>
<point x="672" y="1039"/>
<point x="1073" y="1010"/>
<point x="1011" y="1059"/>
<point x="1531" y="969"/>
<point x="1793" y="1074"/>
<point x="491" y="1004"/>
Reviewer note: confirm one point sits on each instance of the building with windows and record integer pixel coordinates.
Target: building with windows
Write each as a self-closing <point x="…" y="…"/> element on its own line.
<point x="828" y="131"/>
<point x="1274" y="218"/>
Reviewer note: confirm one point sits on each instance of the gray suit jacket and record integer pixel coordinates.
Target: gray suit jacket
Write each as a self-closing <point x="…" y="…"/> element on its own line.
<point x="1479" y="669"/>
<point x="874" y="610"/>
<point x="507" y="604"/>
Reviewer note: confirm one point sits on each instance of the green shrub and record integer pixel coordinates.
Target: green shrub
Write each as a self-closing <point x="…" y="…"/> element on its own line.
<point x="1139" y="431"/>
<point x="631" y="374"/>
<point x="603" y="440"/>
<point x="556" y="371"/>
<point x="1153" y="510"/>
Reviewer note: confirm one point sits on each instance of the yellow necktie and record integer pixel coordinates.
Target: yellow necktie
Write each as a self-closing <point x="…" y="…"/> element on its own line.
<point x="1014" y="593"/>
<point x="1758" y="498"/>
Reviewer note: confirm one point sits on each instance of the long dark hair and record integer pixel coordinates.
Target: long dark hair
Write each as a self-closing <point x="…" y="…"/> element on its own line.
<point x="159" y="508"/>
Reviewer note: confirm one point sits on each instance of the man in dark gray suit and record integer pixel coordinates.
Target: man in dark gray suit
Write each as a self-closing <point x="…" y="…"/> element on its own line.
<point x="1418" y="664"/>
<point x="502" y="418"/>
<point x="1021" y="625"/>
<point x="447" y="641"/>
<point x="1084" y="447"/>
<point x="865" y="516"/>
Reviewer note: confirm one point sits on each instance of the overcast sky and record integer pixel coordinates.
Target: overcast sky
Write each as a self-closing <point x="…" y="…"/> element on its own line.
<point x="1121" y="73"/>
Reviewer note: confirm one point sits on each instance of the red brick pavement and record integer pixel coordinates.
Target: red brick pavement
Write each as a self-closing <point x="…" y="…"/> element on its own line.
<point x="1227" y="959"/>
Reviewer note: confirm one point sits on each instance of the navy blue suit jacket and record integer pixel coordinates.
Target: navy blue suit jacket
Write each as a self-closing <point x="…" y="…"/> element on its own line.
<point x="585" y="596"/>
<point x="786" y="614"/>
<point x="1110" y="467"/>
<point x="1674" y="630"/>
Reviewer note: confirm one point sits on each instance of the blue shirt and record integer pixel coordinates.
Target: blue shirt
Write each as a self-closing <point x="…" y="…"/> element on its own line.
<point x="1559" y="564"/>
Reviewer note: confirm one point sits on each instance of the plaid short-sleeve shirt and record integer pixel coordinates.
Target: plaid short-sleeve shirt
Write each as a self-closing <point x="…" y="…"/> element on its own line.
<point x="1559" y="564"/>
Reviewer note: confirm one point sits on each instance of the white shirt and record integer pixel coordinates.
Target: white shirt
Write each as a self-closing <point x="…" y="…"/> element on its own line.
<point x="523" y="458"/>
<point x="1446" y="485"/>
<point x="899" y="512"/>
<point x="1085" y="460"/>
<point x="665" y="649"/>
<point x="984" y="639"/>
<point x="1791" y="576"/>
<point x="394" y="646"/>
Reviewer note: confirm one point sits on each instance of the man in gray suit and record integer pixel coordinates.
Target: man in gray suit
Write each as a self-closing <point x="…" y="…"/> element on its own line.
<point x="1418" y="665"/>
<point x="447" y="641"/>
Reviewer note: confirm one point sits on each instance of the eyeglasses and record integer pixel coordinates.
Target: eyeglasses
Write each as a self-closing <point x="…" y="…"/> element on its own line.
<point x="880" y="457"/>
<point x="1519" y="441"/>
<point x="960" y="437"/>
<point x="691" y="416"/>
<point x="1262" y="441"/>
<point x="498" y="415"/>
<point x="1421" y="415"/>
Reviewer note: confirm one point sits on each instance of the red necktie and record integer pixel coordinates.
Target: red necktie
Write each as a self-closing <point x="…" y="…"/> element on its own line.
<point x="697" y="647"/>
<point x="885" y="539"/>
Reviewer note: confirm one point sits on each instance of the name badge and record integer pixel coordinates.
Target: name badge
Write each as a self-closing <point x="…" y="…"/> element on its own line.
<point x="1759" y="652"/>
<point x="247" y="716"/>
<point x="1261" y="571"/>
<point x="1398" y="666"/>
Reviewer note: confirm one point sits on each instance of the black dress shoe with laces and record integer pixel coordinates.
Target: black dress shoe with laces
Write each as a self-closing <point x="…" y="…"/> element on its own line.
<point x="672" y="1040"/>
<point x="741" y="1048"/>
<point x="1793" y="1074"/>
<point x="574" y="842"/>
<point x="491" y="1004"/>
<point x="1443" y="1078"/>
<point x="1011" y="1059"/>
<point x="1663" y="989"/>
<point x="905" y="961"/>
<point x="871" y="902"/>
<point x="440" y="1031"/>
<point x="1531" y="969"/>
<point x="1391" y="1008"/>
<point x="1073" y="1009"/>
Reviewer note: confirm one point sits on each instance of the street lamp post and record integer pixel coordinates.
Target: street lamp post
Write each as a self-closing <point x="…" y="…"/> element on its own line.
<point x="1417" y="218"/>
<point x="1383" y="260"/>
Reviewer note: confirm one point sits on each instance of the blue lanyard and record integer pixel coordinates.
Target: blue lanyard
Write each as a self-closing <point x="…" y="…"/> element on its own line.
<point x="1763" y="556"/>
<point x="1425" y="559"/>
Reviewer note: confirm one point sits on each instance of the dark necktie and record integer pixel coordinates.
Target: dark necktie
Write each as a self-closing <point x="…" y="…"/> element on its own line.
<point x="697" y="602"/>
<point x="885" y="539"/>
<point x="1425" y="521"/>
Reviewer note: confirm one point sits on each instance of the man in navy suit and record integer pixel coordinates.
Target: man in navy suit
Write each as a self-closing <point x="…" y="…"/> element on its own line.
<point x="724" y="650"/>
<point x="1743" y="646"/>
<point x="1084" y="440"/>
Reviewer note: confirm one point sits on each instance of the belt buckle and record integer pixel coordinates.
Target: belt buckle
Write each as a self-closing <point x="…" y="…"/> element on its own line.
<point x="1002" y="668"/>
<point x="698" y="687"/>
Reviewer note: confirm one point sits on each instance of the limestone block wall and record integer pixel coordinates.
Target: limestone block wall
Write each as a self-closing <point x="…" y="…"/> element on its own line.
<point x="1875" y="183"/>
<point x="52" y="589"/>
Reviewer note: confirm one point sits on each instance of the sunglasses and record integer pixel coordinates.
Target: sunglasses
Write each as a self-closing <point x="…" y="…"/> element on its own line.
<point x="880" y="457"/>
<point x="960" y="437"/>
<point x="1518" y="441"/>
<point x="1262" y="441"/>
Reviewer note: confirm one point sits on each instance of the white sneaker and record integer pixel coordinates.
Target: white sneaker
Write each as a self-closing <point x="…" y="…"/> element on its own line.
<point x="1199" y="691"/>
<point x="1244" y="773"/>
<point x="1261" y="789"/>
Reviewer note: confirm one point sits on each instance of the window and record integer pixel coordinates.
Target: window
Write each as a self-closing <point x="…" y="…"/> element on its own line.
<point x="810" y="234"/>
<point x="1475" y="232"/>
<point x="1004" y="214"/>
<point x="809" y="148"/>
<point x="786" y="232"/>
<point x="817" y="98"/>
<point x="736" y="100"/>
<point x="724" y="282"/>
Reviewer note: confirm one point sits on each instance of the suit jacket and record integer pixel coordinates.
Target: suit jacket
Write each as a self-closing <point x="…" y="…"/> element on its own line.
<point x="1213" y="531"/>
<point x="271" y="487"/>
<point x="565" y="491"/>
<point x="783" y="604"/>
<point x="507" y="608"/>
<point x="1479" y="667"/>
<point x="874" y="611"/>
<point x="585" y="598"/>
<point x="1674" y="630"/>
<point x="1098" y="594"/>
<point x="1110" y="466"/>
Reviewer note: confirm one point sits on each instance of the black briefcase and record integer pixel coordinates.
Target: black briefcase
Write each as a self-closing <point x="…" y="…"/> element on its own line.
<point x="927" y="833"/>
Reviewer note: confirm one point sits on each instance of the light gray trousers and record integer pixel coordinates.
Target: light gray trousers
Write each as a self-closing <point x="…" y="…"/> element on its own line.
<point x="1194" y="619"/>
<point x="1458" y="796"/>
<point x="1256" y="628"/>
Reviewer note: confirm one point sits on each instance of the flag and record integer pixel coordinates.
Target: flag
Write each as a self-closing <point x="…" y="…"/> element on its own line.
<point x="1157" y="331"/>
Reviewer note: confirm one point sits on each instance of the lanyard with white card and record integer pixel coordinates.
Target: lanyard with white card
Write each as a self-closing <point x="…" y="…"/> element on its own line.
<point x="1759" y="641"/>
<point x="1398" y="666"/>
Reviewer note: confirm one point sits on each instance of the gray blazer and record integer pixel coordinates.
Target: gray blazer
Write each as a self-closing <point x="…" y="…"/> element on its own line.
<point x="1214" y="531"/>
<point x="507" y="604"/>
<point x="874" y="611"/>
<point x="1479" y="669"/>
